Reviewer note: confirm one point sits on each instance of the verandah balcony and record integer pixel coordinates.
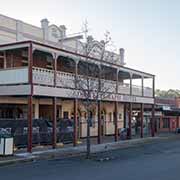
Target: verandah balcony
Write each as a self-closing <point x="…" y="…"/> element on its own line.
<point x="42" y="76"/>
<point x="121" y="80"/>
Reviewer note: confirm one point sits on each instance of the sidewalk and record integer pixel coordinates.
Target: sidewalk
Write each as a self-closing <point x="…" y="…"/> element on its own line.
<point x="65" y="152"/>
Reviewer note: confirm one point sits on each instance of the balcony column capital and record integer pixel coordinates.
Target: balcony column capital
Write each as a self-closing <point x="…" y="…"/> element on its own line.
<point x="131" y="74"/>
<point x="77" y="61"/>
<point x="54" y="55"/>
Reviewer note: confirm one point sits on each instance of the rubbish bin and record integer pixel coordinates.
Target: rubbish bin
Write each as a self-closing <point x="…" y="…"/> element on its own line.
<point x="6" y="144"/>
<point x="123" y="133"/>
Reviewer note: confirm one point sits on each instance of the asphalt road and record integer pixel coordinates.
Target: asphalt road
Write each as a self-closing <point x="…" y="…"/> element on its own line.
<point x="155" y="161"/>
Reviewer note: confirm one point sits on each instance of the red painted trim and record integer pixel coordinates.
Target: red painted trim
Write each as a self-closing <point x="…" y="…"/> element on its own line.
<point x="116" y="122"/>
<point x="30" y="112"/>
<point x="177" y="122"/>
<point x="153" y="121"/>
<point x="129" y="121"/>
<point x="30" y="99"/>
<point x="54" y="138"/>
<point x="142" y="118"/>
<point x="75" y="135"/>
<point x="55" y="70"/>
<point x="16" y="43"/>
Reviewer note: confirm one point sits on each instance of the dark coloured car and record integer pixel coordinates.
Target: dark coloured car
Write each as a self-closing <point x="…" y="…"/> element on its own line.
<point x="177" y="130"/>
<point x="42" y="131"/>
<point x="66" y="130"/>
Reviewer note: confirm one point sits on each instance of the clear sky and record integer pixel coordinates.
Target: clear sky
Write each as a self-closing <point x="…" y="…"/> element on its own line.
<point x="149" y="30"/>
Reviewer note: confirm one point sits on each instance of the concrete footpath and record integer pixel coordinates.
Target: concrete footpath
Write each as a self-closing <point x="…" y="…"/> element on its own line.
<point x="66" y="152"/>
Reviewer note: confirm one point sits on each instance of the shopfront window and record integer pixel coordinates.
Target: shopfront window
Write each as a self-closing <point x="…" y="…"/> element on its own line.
<point x="165" y="122"/>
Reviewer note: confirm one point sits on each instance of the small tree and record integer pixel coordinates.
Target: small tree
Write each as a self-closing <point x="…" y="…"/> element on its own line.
<point x="90" y="85"/>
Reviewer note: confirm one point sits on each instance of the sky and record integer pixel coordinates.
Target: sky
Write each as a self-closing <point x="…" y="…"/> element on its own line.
<point x="148" y="30"/>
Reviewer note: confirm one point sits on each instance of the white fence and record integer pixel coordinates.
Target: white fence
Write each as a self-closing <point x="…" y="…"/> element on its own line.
<point x="148" y="92"/>
<point x="64" y="79"/>
<point x="43" y="76"/>
<point x="67" y="80"/>
<point x="14" y="76"/>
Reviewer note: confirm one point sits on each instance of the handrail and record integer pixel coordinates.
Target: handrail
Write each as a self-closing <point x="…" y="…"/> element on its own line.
<point x="14" y="68"/>
<point x="65" y="73"/>
<point x="43" y="69"/>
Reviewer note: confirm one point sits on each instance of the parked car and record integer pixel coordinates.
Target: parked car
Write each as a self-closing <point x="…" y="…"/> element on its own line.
<point x="42" y="131"/>
<point x="177" y="130"/>
<point x="66" y="130"/>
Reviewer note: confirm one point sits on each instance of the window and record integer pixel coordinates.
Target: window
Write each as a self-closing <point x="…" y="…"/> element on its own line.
<point x="120" y="116"/>
<point x="165" y="122"/>
<point x="110" y="117"/>
<point x="92" y="119"/>
<point x="72" y="115"/>
<point x="49" y="62"/>
<point x="65" y="114"/>
<point x="24" y="57"/>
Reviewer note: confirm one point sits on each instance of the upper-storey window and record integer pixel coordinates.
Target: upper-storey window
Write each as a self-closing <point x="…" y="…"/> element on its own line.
<point x="17" y="58"/>
<point x="65" y="64"/>
<point x="108" y="73"/>
<point x="49" y="62"/>
<point x="24" y="56"/>
<point x="1" y="60"/>
<point x="42" y="60"/>
<point x="88" y="69"/>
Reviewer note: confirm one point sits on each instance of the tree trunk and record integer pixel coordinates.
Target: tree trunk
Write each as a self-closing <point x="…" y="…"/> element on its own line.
<point x="88" y="137"/>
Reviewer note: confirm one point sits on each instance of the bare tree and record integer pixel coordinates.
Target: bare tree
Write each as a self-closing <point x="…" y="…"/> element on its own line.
<point x="90" y="84"/>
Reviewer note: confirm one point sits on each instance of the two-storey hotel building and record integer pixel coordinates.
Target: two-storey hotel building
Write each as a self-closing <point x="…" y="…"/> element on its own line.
<point x="38" y="66"/>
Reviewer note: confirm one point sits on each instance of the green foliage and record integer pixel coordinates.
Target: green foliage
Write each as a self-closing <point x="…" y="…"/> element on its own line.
<point x="171" y="93"/>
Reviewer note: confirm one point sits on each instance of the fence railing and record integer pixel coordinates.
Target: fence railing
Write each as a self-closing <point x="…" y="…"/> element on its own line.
<point x="43" y="76"/>
<point x="64" y="79"/>
<point x="14" y="76"/>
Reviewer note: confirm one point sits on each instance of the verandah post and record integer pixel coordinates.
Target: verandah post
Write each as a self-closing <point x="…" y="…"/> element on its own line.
<point x="116" y="122"/>
<point x="54" y="137"/>
<point x="142" y="118"/>
<point x="54" y="100"/>
<point x="75" y="135"/>
<point x="30" y="98"/>
<point x="153" y="121"/>
<point x="130" y="119"/>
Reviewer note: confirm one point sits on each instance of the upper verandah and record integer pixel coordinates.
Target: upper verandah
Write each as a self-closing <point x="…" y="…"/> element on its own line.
<point x="55" y="38"/>
<point x="55" y="51"/>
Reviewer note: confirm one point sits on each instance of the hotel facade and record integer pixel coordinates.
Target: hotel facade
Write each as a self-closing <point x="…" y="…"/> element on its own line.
<point x="38" y="68"/>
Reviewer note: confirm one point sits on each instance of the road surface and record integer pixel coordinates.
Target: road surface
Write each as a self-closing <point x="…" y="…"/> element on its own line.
<point x="155" y="161"/>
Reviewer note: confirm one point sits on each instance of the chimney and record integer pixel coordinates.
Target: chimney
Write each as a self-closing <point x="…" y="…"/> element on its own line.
<point x="121" y="54"/>
<point x="63" y="29"/>
<point x="44" y="26"/>
<point x="19" y="30"/>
